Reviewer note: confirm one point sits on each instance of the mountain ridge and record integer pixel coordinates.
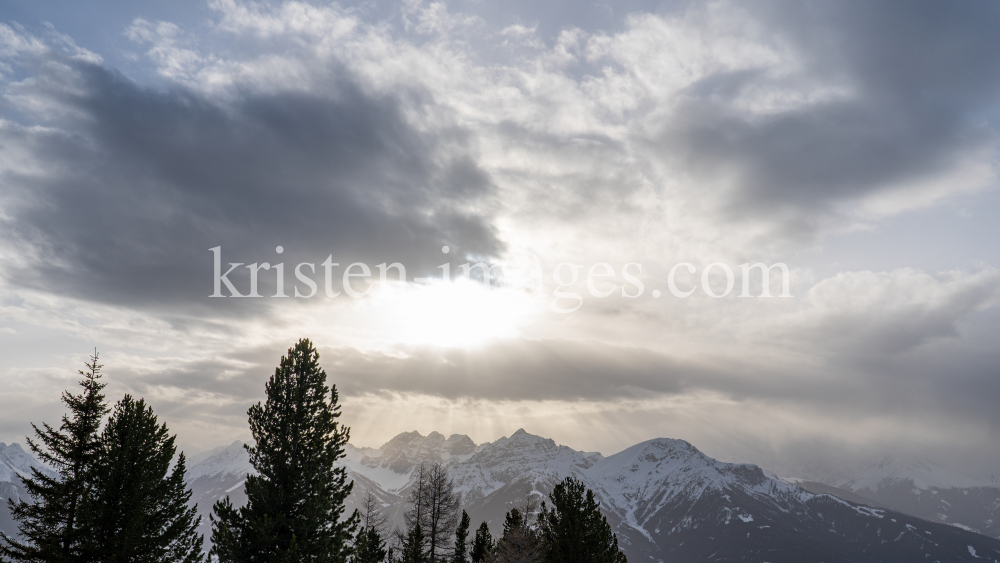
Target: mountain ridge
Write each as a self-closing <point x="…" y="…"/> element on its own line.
<point x="663" y="497"/>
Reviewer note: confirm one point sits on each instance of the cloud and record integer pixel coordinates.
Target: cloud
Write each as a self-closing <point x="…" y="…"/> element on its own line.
<point x="716" y="132"/>
<point x="867" y="314"/>
<point x="126" y="188"/>
<point x="827" y="105"/>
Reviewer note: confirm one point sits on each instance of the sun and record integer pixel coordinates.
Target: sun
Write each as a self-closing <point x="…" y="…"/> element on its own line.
<point x="460" y="313"/>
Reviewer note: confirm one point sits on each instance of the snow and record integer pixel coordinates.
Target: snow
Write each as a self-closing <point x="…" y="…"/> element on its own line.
<point x="863" y="510"/>
<point x="15" y="462"/>
<point x="384" y="477"/>
<point x="667" y="471"/>
<point x="236" y="486"/>
<point x="889" y="470"/>
<point x="231" y="460"/>
<point x="972" y="552"/>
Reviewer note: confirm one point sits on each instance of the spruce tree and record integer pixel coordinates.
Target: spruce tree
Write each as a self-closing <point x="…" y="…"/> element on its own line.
<point x="137" y="507"/>
<point x="413" y="547"/>
<point x="512" y="521"/>
<point x="574" y="530"/>
<point x="482" y="545"/>
<point x="49" y="524"/>
<point x="520" y="542"/>
<point x="296" y="499"/>
<point x="460" y="554"/>
<point x="369" y="547"/>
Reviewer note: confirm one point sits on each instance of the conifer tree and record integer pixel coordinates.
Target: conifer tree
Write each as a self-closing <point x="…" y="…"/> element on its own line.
<point x="413" y="547"/>
<point x="296" y="499"/>
<point x="512" y="521"/>
<point x="49" y="524"/>
<point x="482" y="545"/>
<point x="460" y="554"/>
<point x="520" y="542"/>
<point x="574" y="530"/>
<point x="137" y="507"/>
<point x="369" y="547"/>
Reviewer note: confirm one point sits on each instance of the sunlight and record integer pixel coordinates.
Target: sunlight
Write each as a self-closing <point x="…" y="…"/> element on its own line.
<point x="462" y="313"/>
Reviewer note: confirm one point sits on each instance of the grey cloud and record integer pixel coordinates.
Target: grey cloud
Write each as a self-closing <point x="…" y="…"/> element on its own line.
<point x="923" y="77"/>
<point x="139" y="184"/>
<point x="517" y="369"/>
<point x="947" y="379"/>
<point x="876" y="329"/>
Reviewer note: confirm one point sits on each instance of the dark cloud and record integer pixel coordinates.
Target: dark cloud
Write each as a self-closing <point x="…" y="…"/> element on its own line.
<point x="920" y="78"/>
<point x="139" y="184"/>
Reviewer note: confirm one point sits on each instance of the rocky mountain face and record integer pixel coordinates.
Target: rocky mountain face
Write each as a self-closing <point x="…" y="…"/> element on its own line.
<point x="666" y="500"/>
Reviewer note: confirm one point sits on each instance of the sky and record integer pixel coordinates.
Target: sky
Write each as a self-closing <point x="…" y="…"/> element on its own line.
<point x="585" y="151"/>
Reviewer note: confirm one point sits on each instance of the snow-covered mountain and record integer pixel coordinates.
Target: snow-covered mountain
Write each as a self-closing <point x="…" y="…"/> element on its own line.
<point x="929" y="491"/>
<point x="15" y="463"/>
<point x="871" y="476"/>
<point x="665" y="499"/>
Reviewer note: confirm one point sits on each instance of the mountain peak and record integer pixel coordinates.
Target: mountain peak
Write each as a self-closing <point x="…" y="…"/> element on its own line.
<point x="401" y="439"/>
<point x="14" y="446"/>
<point x="521" y="436"/>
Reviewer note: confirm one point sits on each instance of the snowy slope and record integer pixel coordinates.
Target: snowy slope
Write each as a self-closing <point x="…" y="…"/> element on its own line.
<point x="15" y="462"/>
<point x="641" y="481"/>
<point x="229" y="460"/>
<point x="933" y="492"/>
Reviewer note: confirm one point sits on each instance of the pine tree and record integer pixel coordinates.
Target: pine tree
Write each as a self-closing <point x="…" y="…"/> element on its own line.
<point x="49" y="526"/>
<point x="461" y="540"/>
<point x="512" y="521"/>
<point x="137" y="508"/>
<point x="369" y="546"/>
<point x="413" y="547"/>
<point x="482" y="545"/>
<point x="296" y="499"/>
<point x="520" y="542"/>
<point x="574" y="530"/>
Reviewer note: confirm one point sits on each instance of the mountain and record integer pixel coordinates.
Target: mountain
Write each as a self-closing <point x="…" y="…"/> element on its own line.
<point x="928" y="491"/>
<point x="15" y="463"/>
<point x="666" y="500"/>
